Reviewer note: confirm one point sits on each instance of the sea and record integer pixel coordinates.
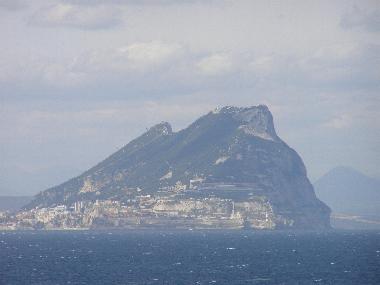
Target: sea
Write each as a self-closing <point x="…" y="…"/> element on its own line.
<point x="189" y="257"/>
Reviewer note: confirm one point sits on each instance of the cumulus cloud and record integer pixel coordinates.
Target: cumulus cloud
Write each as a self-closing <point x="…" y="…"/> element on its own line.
<point x="128" y="61"/>
<point x="142" y="54"/>
<point x="75" y="16"/>
<point x="115" y="66"/>
<point x="340" y="122"/>
<point x="190" y="56"/>
<point x="361" y="19"/>
<point x="336" y="52"/>
<point x="155" y="65"/>
<point x="215" y="64"/>
<point x="262" y="65"/>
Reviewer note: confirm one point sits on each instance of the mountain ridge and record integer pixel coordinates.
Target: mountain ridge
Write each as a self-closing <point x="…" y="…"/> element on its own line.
<point x="228" y="146"/>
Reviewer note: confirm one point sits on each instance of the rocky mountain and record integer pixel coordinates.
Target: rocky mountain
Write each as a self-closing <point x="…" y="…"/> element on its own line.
<point x="348" y="191"/>
<point x="230" y="154"/>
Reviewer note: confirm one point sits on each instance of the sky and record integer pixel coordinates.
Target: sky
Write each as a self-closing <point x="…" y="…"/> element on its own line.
<point x="80" y="79"/>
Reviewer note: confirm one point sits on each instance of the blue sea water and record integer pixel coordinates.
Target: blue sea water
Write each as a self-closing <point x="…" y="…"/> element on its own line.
<point x="190" y="257"/>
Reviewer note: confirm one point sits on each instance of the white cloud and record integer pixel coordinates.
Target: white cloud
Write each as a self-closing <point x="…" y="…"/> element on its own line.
<point x="129" y="62"/>
<point x="215" y="64"/>
<point x="339" y="122"/>
<point x="227" y="52"/>
<point x="74" y="16"/>
<point x="341" y="51"/>
<point x="149" y="53"/>
<point x="262" y="65"/>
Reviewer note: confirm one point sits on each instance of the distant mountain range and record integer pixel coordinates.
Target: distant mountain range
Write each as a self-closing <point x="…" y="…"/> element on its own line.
<point x="232" y="154"/>
<point x="350" y="193"/>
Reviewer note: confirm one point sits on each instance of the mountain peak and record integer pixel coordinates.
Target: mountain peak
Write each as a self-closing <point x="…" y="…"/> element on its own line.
<point x="214" y="166"/>
<point x="234" y="109"/>
<point x="347" y="190"/>
<point x="163" y="128"/>
<point x="255" y="120"/>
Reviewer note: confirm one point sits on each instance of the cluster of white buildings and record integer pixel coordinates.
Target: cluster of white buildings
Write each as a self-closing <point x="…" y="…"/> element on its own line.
<point x="168" y="208"/>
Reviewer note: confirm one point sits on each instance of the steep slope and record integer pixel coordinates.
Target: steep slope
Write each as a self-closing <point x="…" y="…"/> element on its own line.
<point x="231" y="147"/>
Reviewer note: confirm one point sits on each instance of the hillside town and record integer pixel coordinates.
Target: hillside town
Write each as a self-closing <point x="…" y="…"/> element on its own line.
<point x="174" y="208"/>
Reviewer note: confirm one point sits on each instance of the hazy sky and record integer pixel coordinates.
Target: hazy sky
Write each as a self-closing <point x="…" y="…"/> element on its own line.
<point x="80" y="79"/>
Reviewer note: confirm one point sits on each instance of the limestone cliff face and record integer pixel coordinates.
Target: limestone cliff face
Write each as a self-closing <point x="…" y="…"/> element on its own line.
<point x="231" y="153"/>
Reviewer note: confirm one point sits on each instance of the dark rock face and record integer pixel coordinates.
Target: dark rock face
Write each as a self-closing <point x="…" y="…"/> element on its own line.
<point x="230" y="148"/>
